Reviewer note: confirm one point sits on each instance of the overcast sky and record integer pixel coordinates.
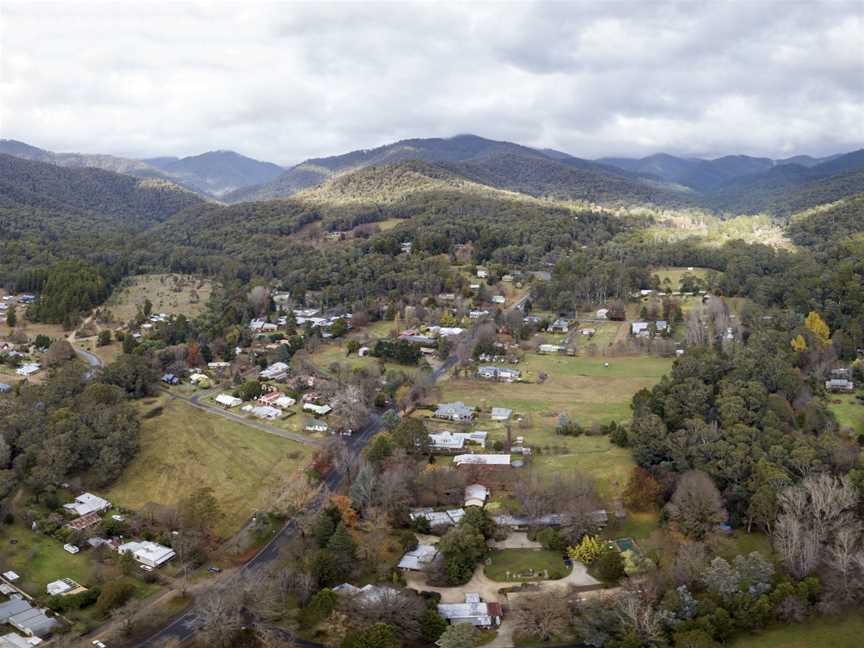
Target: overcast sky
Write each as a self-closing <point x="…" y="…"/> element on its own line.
<point x="287" y="81"/>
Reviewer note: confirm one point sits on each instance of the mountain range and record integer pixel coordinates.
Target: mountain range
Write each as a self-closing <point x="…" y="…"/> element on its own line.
<point x="211" y="174"/>
<point x="734" y="184"/>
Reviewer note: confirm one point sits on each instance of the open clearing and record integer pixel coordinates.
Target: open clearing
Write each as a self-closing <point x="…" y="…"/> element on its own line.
<point x="675" y="274"/>
<point x="171" y="294"/>
<point x="848" y="410"/>
<point x="583" y="388"/>
<point x="836" y="632"/>
<point x="514" y="564"/>
<point x="183" y="449"/>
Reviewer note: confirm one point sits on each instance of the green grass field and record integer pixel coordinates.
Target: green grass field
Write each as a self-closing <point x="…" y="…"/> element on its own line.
<point x="519" y="561"/>
<point x="848" y="410"/>
<point x="183" y="449"/>
<point x="169" y="293"/>
<point x="39" y="559"/>
<point x="585" y="390"/>
<point x="825" y="632"/>
<point x="675" y="274"/>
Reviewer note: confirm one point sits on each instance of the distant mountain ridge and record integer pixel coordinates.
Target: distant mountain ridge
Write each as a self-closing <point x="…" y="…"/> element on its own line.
<point x="214" y="173"/>
<point x="217" y="172"/>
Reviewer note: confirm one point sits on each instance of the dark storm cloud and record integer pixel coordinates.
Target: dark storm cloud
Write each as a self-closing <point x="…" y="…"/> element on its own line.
<point x="286" y="81"/>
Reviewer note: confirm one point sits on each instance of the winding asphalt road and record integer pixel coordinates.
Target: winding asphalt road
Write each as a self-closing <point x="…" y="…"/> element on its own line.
<point x="186" y="625"/>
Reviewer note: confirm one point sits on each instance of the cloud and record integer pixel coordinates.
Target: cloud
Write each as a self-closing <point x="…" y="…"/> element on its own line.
<point x="286" y="81"/>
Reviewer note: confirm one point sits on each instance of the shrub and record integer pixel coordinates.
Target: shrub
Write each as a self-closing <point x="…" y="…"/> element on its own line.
<point x="609" y="566"/>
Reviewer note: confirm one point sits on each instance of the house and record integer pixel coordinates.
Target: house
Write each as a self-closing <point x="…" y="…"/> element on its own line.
<point x="70" y="548"/>
<point x="13" y="640"/>
<point x="28" y="369"/>
<point x="406" y="247"/>
<point x="228" y="401"/>
<point x="419" y="559"/>
<point x="473" y="611"/>
<point x="64" y="587"/>
<point x="285" y="402"/>
<point x="448" y="441"/>
<point x="85" y="521"/>
<point x="263" y="412"/>
<point x="147" y="553"/>
<point x="170" y="379"/>
<point x="482" y="460"/>
<point x="501" y="413"/>
<point x="446" y="331"/>
<point x="550" y="348"/>
<point x="438" y="518"/>
<point x="507" y="278"/>
<point x="10" y="576"/>
<point x="457" y="411"/>
<point x="316" y="425"/>
<point x="476" y="495"/>
<point x="839" y="385"/>
<point x="200" y="379"/>
<point x="276" y="371"/>
<point x="218" y="366"/>
<point x="477" y="314"/>
<point x="502" y="374"/>
<point x="446" y="297"/>
<point x="640" y="329"/>
<point x="560" y="325"/>
<point x="87" y="503"/>
<point x="602" y="313"/>
<point x="498" y="299"/>
<point x="320" y="410"/>
<point x="271" y="398"/>
<point x="661" y="326"/>
<point x="262" y="326"/>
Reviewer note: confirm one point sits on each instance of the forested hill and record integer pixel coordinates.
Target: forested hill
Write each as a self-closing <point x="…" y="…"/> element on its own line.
<point x="217" y="172"/>
<point x="459" y="149"/>
<point x="26" y="184"/>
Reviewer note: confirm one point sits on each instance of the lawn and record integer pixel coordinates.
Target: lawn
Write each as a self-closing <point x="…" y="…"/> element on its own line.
<point x="514" y="565"/>
<point x="583" y="388"/>
<point x="183" y="449"/>
<point x="675" y="274"/>
<point x="40" y="559"/>
<point x="172" y="294"/>
<point x="834" y="632"/>
<point x="848" y="410"/>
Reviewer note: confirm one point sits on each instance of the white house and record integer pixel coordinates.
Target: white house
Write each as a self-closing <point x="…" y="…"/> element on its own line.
<point x="263" y="411"/>
<point x="28" y="369"/>
<point x="482" y="273"/>
<point x="639" y="329"/>
<point x="228" y="401"/>
<point x="320" y="410"/>
<point x="498" y="299"/>
<point x="476" y="495"/>
<point x="316" y="425"/>
<point x="482" y="459"/>
<point x="448" y="441"/>
<point x="147" y="553"/>
<point x="200" y="379"/>
<point x="473" y="611"/>
<point x="276" y="371"/>
<point x="285" y="402"/>
<point x="549" y="348"/>
<point x="88" y="503"/>
<point x="457" y="411"/>
<point x="501" y="413"/>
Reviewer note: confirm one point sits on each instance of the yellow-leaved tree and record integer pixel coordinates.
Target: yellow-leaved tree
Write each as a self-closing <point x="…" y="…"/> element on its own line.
<point x="586" y="551"/>
<point x="817" y="326"/>
<point x="799" y="343"/>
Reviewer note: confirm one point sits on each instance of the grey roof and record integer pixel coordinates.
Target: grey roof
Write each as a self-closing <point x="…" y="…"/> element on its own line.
<point x="11" y="608"/>
<point x="454" y="409"/>
<point x="33" y="622"/>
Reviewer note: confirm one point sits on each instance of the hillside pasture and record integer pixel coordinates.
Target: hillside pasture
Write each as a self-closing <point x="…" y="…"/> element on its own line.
<point x="172" y="294"/>
<point x="183" y="449"/>
<point x="848" y="410"/>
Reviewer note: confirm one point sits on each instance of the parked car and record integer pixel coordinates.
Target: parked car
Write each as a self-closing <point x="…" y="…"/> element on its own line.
<point x="214" y="570"/>
<point x="146" y="568"/>
<point x="71" y="548"/>
<point x="99" y="644"/>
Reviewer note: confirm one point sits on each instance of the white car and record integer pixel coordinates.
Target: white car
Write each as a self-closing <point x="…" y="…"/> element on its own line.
<point x="99" y="644"/>
<point x="71" y="548"/>
<point x="146" y="568"/>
